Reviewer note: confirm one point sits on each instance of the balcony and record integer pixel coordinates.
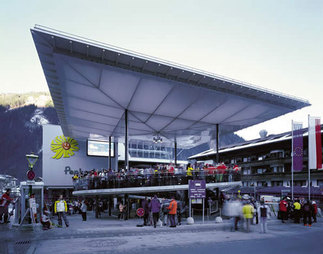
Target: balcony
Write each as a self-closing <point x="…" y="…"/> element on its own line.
<point x="122" y="180"/>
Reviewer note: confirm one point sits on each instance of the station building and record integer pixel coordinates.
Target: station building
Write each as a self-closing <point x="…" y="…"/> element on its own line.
<point x="101" y="92"/>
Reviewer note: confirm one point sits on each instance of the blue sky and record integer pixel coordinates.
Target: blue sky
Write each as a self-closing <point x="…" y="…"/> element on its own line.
<point x="273" y="44"/>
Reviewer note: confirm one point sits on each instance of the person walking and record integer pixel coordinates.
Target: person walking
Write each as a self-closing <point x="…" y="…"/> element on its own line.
<point x="155" y="209"/>
<point x="4" y="205"/>
<point x="83" y="209"/>
<point x="172" y="212"/>
<point x="297" y="211"/>
<point x="60" y="207"/>
<point x="248" y="212"/>
<point x="263" y="214"/>
<point x="236" y="213"/>
<point x="307" y="213"/>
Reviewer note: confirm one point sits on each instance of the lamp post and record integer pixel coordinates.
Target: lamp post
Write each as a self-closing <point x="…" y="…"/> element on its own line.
<point x="32" y="159"/>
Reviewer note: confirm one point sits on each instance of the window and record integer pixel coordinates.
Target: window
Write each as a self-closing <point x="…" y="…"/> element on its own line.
<point x="319" y="183"/>
<point x="300" y="183"/>
<point x="262" y="183"/>
<point x="99" y="148"/>
<point x="277" y="183"/>
<point x="246" y="171"/>
<point x="277" y="169"/>
<point x="261" y="170"/>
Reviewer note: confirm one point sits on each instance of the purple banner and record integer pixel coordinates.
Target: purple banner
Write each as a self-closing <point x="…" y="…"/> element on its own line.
<point x="297" y="147"/>
<point x="196" y="189"/>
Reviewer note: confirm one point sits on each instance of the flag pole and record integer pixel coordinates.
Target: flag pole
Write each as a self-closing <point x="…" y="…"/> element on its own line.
<point x="309" y="170"/>
<point x="292" y="161"/>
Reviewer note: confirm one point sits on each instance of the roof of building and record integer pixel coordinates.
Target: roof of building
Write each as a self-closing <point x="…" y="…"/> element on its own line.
<point x="275" y="138"/>
<point x="92" y="84"/>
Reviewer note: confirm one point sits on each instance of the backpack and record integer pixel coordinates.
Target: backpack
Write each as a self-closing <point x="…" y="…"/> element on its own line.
<point x="306" y="208"/>
<point x="263" y="212"/>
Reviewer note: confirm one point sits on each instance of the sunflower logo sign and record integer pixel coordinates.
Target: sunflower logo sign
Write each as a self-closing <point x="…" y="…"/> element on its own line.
<point x="63" y="146"/>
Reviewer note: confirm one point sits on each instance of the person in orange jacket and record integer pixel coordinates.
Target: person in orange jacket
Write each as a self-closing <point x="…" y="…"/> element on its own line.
<point x="172" y="212"/>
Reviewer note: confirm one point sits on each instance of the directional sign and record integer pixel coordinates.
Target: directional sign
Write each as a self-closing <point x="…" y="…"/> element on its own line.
<point x="197" y="189"/>
<point x="30" y="175"/>
<point x="140" y="212"/>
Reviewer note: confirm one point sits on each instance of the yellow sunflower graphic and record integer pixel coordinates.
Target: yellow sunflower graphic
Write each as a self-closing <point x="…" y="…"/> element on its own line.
<point x="63" y="146"/>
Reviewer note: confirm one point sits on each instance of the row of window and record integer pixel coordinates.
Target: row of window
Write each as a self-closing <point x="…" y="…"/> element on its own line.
<point x="152" y="154"/>
<point x="274" y="154"/>
<point x="273" y="169"/>
<point x="280" y="183"/>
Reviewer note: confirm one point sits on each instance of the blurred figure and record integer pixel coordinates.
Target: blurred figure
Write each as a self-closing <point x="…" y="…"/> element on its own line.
<point x="145" y="206"/>
<point x="233" y="209"/>
<point x="307" y="213"/>
<point x="83" y="210"/>
<point x="155" y="209"/>
<point x="297" y="211"/>
<point x="120" y="215"/>
<point x="248" y="212"/>
<point x="172" y="212"/>
<point x="165" y="212"/>
<point x="314" y="211"/>
<point x="4" y="204"/>
<point x="263" y="213"/>
<point x="283" y="210"/>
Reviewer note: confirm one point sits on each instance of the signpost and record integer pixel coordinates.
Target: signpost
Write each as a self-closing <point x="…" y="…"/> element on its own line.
<point x="196" y="191"/>
<point x="30" y="175"/>
<point x="140" y="212"/>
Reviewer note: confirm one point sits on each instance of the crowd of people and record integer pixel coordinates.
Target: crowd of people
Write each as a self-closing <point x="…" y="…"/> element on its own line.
<point x="246" y="211"/>
<point x="164" y="212"/>
<point x="297" y="210"/>
<point x="156" y="211"/>
<point x="157" y="176"/>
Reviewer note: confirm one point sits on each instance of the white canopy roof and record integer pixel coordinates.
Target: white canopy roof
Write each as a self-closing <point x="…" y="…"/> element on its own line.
<point x="92" y="84"/>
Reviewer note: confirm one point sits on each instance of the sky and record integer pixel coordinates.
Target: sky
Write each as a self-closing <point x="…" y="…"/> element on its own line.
<point x="273" y="44"/>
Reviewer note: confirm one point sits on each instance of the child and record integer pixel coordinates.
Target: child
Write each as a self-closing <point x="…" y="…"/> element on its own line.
<point x="45" y="220"/>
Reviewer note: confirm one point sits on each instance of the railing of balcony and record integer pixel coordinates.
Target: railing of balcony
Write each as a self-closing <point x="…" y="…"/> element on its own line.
<point x="120" y="180"/>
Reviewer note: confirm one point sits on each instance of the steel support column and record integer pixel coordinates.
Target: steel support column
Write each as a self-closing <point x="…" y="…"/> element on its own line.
<point x="126" y="141"/>
<point x="217" y="143"/>
<point x="175" y="152"/>
<point x="110" y="152"/>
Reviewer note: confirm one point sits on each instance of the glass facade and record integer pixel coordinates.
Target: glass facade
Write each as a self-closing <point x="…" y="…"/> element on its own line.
<point x="148" y="149"/>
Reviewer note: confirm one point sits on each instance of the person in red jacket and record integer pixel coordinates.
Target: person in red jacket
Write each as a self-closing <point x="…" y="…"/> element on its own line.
<point x="4" y="204"/>
<point x="172" y="212"/>
<point x="283" y="210"/>
<point x="314" y="210"/>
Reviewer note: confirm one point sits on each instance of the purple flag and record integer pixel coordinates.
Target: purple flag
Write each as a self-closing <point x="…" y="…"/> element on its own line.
<point x="297" y="134"/>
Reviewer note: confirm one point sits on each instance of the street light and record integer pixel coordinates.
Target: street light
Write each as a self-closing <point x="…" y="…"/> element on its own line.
<point x="32" y="159"/>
